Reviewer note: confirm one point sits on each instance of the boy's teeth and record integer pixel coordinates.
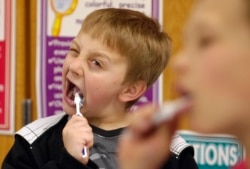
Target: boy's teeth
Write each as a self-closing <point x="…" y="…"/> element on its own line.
<point x="76" y="90"/>
<point x="73" y="91"/>
<point x="70" y="93"/>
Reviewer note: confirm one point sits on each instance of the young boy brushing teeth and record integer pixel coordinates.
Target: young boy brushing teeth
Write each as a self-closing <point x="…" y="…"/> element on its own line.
<point x="115" y="57"/>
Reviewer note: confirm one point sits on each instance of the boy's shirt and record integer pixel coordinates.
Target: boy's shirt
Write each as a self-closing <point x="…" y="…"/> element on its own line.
<point x="103" y="152"/>
<point x="40" y="145"/>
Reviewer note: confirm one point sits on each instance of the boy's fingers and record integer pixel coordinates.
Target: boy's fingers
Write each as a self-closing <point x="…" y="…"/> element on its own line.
<point x="141" y="122"/>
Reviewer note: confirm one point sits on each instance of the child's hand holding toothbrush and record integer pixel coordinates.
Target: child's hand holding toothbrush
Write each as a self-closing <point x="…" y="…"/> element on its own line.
<point x="145" y="144"/>
<point x="78" y="136"/>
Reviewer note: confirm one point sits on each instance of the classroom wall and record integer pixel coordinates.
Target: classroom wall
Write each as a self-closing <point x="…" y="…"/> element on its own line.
<point x="25" y="66"/>
<point x="175" y="13"/>
<point x="174" y="18"/>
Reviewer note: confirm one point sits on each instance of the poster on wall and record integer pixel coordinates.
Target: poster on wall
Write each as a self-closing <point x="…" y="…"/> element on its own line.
<point x="60" y="21"/>
<point x="7" y="69"/>
<point x="214" y="151"/>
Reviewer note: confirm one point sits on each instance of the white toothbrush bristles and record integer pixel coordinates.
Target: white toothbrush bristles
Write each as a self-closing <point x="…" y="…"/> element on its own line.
<point x="78" y="102"/>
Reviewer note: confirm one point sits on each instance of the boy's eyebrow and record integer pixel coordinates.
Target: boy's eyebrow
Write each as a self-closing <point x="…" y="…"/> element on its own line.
<point x="92" y="53"/>
<point x="100" y="54"/>
<point x="74" y="42"/>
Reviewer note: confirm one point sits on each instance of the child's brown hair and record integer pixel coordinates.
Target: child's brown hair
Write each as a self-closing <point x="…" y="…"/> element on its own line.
<point x="135" y="36"/>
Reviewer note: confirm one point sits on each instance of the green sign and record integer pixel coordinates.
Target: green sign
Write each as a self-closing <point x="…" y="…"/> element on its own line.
<point x="214" y="151"/>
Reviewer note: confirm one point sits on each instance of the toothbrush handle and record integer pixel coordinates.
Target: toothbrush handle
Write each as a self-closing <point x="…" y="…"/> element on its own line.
<point x="84" y="150"/>
<point x="78" y="110"/>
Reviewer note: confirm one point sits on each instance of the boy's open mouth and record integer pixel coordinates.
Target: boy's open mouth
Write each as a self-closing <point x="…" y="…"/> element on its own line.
<point x="72" y="89"/>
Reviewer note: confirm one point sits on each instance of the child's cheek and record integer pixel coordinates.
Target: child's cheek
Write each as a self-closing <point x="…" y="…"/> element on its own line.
<point x="213" y="69"/>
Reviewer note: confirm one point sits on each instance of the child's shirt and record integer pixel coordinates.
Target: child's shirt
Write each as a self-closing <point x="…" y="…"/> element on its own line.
<point x="40" y="145"/>
<point x="103" y="152"/>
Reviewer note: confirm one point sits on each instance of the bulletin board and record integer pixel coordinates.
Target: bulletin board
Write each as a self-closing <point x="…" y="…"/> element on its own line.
<point x="58" y="23"/>
<point x="7" y="63"/>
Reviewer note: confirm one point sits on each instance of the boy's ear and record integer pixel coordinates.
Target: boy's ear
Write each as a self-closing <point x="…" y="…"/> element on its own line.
<point x="133" y="91"/>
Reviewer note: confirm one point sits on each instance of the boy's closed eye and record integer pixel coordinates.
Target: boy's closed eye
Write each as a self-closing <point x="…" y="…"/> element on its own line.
<point x="73" y="50"/>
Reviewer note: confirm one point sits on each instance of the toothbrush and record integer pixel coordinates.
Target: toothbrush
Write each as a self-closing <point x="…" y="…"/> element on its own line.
<point x="79" y="102"/>
<point x="169" y="110"/>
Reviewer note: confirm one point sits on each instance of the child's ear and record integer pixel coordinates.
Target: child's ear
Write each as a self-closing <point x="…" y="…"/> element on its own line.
<point x="133" y="91"/>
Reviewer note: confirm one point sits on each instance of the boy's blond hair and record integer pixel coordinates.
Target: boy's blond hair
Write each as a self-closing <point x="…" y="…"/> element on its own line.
<point x="135" y="36"/>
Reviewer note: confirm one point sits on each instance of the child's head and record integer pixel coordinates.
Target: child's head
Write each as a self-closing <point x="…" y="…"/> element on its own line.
<point x="115" y="57"/>
<point x="136" y="37"/>
<point x="214" y="66"/>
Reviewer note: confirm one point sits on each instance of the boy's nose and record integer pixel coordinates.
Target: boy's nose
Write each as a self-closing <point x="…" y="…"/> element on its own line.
<point x="180" y="63"/>
<point x="76" y="67"/>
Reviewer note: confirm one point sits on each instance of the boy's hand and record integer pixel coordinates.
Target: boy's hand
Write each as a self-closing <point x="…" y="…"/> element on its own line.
<point x="76" y="134"/>
<point x="144" y="145"/>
